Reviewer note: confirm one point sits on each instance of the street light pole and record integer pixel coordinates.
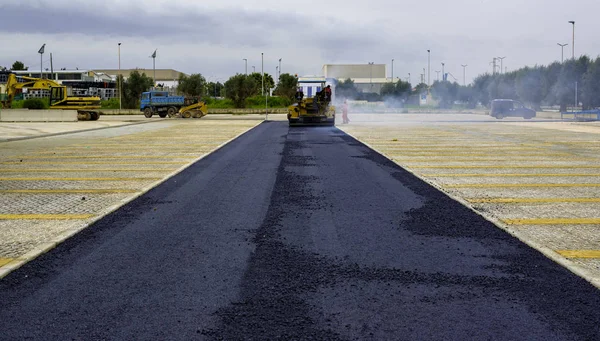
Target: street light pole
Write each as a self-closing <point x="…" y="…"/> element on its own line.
<point x="428" y="67"/>
<point x="371" y="75"/>
<point x="279" y="69"/>
<point x="438" y="75"/>
<point x="464" y="74"/>
<point x="392" y="71"/>
<point x="276" y="70"/>
<point x="41" y="52"/>
<point x="119" y="77"/>
<point x="573" y="46"/>
<point x="443" y="73"/>
<point x="409" y="77"/>
<point x="562" y="52"/>
<point x="501" y="64"/>
<point x="262" y="60"/>
<point x="253" y="69"/>
<point x="246" y="68"/>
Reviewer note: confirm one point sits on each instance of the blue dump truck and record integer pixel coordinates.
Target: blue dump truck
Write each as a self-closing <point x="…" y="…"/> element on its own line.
<point x="163" y="104"/>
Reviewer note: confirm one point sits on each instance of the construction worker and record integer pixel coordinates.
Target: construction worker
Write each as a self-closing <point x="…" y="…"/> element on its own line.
<point x="299" y="95"/>
<point x="328" y="93"/>
<point x="345" y="112"/>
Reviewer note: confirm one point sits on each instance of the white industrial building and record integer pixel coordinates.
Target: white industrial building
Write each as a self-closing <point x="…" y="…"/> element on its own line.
<point x="367" y="78"/>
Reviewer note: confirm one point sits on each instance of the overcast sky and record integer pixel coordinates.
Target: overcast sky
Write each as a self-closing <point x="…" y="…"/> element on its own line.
<point x="213" y="37"/>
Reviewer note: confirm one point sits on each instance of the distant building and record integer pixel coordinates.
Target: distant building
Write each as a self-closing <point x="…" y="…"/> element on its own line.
<point x="101" y="83"/>
<point x="368" y="78"/>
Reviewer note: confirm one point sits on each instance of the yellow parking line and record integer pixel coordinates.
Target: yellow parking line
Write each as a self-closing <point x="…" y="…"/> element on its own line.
<point x="104" y="157"/>
<point x="470" y="154"/>
<point x="4" y="261"/>
<point x="531" y="200"/>
<point x="58" y="170"/>
<point x="66" y="191"/>
<point x="509" y="167"/>
<point x="499" y="175"/>
<point x="579" y="253"/>
<point x="78" y="179"/>
<point x="94" y="162"/>
<point x="552" y="221"/>
<point x="518" y="185"/>
<point x="44" y="216"/>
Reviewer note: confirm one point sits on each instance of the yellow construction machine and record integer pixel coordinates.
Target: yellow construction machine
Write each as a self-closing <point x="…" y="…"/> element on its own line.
<point x="312" y="110"/>
<point x="59" y="99"/>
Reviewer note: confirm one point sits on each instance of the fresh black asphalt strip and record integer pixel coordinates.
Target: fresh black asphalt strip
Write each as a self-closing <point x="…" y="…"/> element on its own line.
<point x="296" y="234"/>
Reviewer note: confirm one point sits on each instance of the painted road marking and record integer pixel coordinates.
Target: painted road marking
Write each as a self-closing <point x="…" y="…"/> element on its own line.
<point x="44" y="216"/>
<point x="4" y="261"/>
<point x="518" y="185"/>
<point x="509" y="167"/>
<point x="58" y="170"/>
<point x="531" y="200"/>
<point x="95" y="163"/>
<point x="579" y="253"/>
<point x="498" y="175"/>
<point x="66" y="191"/>
<point x="105" y="157"/>
<point x="552" y="221"/>
<point x="78" y="179"/>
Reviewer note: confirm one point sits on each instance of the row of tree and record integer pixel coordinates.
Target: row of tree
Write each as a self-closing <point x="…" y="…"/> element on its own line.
<point x="573" y="82"/>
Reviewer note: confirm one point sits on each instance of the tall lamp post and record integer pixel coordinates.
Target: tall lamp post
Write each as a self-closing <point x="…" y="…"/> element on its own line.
<point x="119" y="77"/>
<point x="562" y="52"/>
<point x="409" y="77"/>
<point x="371" y="75"/>
<point x="246" y="67"/>
<point x="464" y="74"/>
<point x="428" y="67"/>
<point x="501" y="64"/>
<point x="279" y="68"/>
<point x="392" y="70"/>
<point x="41" y="52"/>
<point x="253" y="69"/>
<point x="276" y="72"/>
<point x="154" y="66"/>
<point x="438" y="75"/>
<point x="262" y="72"/>
<point x="443" y="73"/>
<point x="573" y="46"/>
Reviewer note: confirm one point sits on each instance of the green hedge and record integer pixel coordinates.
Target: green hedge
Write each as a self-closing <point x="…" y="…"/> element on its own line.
<point x="36" y="103"/>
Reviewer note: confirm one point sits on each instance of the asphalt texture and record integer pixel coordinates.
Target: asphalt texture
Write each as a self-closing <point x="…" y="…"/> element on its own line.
<point x="295" y="234"/>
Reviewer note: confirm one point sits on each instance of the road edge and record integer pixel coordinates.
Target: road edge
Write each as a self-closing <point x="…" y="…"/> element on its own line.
<point x="549" y="253"/>
<point x="41" y="249"/>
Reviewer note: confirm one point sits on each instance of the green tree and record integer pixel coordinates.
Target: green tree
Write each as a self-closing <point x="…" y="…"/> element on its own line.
<point x="214" y="89"/>
<point x="590" y="88"/>
<point x="530" y="83"/>
<point x="192" y="86"/>
<point x="444" y="92"/>
<point x="346" y="89"/>
<point x="239" y="87"/>
<point x="269" y="83"/>
<point x="388" y="90"/>
<point x="287" y="86"/>
<point x="18" y="66"/>
<point x="133" y="88"/>
<point x="421" y="88"/>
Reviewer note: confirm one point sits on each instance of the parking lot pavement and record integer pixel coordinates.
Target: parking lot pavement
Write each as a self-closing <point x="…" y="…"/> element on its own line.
<point x="52" y="187"/>
<point x="539" y="180"/>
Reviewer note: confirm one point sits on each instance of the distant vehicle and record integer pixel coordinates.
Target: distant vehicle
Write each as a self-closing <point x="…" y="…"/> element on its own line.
<point x="510" y="108"/>
<point x="163" y="104"/>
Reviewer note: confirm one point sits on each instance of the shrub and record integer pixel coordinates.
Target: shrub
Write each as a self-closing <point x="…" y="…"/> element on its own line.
<point x="35" y="103"/>
<point x="112" y="103"/>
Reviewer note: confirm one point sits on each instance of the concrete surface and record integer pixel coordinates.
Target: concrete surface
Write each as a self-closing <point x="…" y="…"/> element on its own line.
<point x="26" y="115"/>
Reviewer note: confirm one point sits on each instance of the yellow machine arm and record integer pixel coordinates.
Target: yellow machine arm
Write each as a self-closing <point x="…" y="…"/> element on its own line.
<point x="85" y="106"/>
<point x="13" y="86"/>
